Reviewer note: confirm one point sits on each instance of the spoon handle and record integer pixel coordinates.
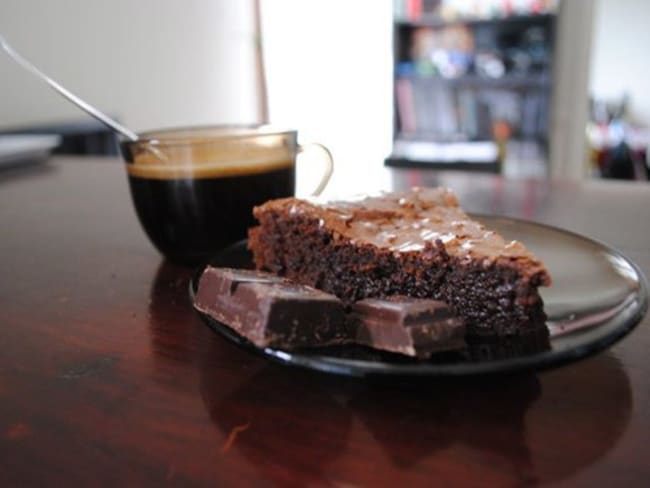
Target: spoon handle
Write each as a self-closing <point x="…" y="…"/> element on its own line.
<point x="129" y="134"/>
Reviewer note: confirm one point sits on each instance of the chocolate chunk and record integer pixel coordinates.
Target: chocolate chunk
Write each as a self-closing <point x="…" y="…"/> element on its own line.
<point x="271" y="311"/>
<point x="411" y="326"/>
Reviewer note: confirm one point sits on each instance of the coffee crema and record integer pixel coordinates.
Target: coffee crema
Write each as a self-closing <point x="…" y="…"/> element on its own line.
<point x="149" y="165"/>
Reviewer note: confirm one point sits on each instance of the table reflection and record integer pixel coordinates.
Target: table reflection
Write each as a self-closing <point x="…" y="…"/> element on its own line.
<point x="291" y="424"/>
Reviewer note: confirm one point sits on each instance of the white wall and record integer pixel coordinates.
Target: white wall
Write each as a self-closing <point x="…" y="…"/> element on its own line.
<point x="329" y="70"/>
<point x="152" y="63"/>
<point x="620" y="59"/>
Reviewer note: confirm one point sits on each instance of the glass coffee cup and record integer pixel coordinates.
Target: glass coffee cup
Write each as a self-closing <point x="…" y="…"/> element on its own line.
<point x="194" y="189"/>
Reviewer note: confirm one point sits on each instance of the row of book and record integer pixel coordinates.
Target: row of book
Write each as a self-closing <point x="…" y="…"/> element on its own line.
<point x="458" y="10"/>
<point x="445" y="112"/>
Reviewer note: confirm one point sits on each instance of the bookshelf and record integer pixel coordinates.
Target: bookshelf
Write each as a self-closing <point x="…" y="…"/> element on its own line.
<point x="471" y="78"/>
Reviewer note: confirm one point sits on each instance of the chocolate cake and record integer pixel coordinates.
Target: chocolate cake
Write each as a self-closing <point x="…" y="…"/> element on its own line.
<point x="417" y="243"/>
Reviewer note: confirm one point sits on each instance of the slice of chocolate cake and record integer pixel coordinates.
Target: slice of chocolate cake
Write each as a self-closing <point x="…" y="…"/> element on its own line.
<point x="418" y="243"/>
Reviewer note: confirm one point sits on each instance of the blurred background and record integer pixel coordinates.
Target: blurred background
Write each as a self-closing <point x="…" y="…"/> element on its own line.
<point x="525" y="88"/>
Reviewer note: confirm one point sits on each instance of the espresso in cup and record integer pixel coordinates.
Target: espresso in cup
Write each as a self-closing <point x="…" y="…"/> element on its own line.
<point x="194" y="189"/>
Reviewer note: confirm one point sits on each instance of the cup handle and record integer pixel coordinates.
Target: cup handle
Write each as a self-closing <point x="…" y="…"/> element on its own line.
<point x="329" y="166"/>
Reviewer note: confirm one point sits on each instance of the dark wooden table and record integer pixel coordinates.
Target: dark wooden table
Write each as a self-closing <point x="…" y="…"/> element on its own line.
<point x="107" y="376"/>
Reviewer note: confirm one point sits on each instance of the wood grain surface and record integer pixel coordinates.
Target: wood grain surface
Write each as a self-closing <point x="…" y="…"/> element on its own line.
<point x="109" y="378"/>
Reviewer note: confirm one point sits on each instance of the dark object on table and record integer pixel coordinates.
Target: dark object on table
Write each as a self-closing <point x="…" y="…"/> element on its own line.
<point x="622" y="163"/>
<point x="411" y="326"/>
<point x="417" y="243"/>
<point x="86" y="137"/>
<point x="271" y="311"/>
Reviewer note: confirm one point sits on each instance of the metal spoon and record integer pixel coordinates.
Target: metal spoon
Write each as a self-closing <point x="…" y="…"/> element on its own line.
<point x="102" y="117"/>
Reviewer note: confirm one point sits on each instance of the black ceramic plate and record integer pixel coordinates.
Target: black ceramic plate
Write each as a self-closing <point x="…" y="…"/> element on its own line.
<point x="597" y="297"/>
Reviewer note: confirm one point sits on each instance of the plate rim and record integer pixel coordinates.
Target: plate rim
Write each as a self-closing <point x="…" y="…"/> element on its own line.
<point x="541" y="361"/>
